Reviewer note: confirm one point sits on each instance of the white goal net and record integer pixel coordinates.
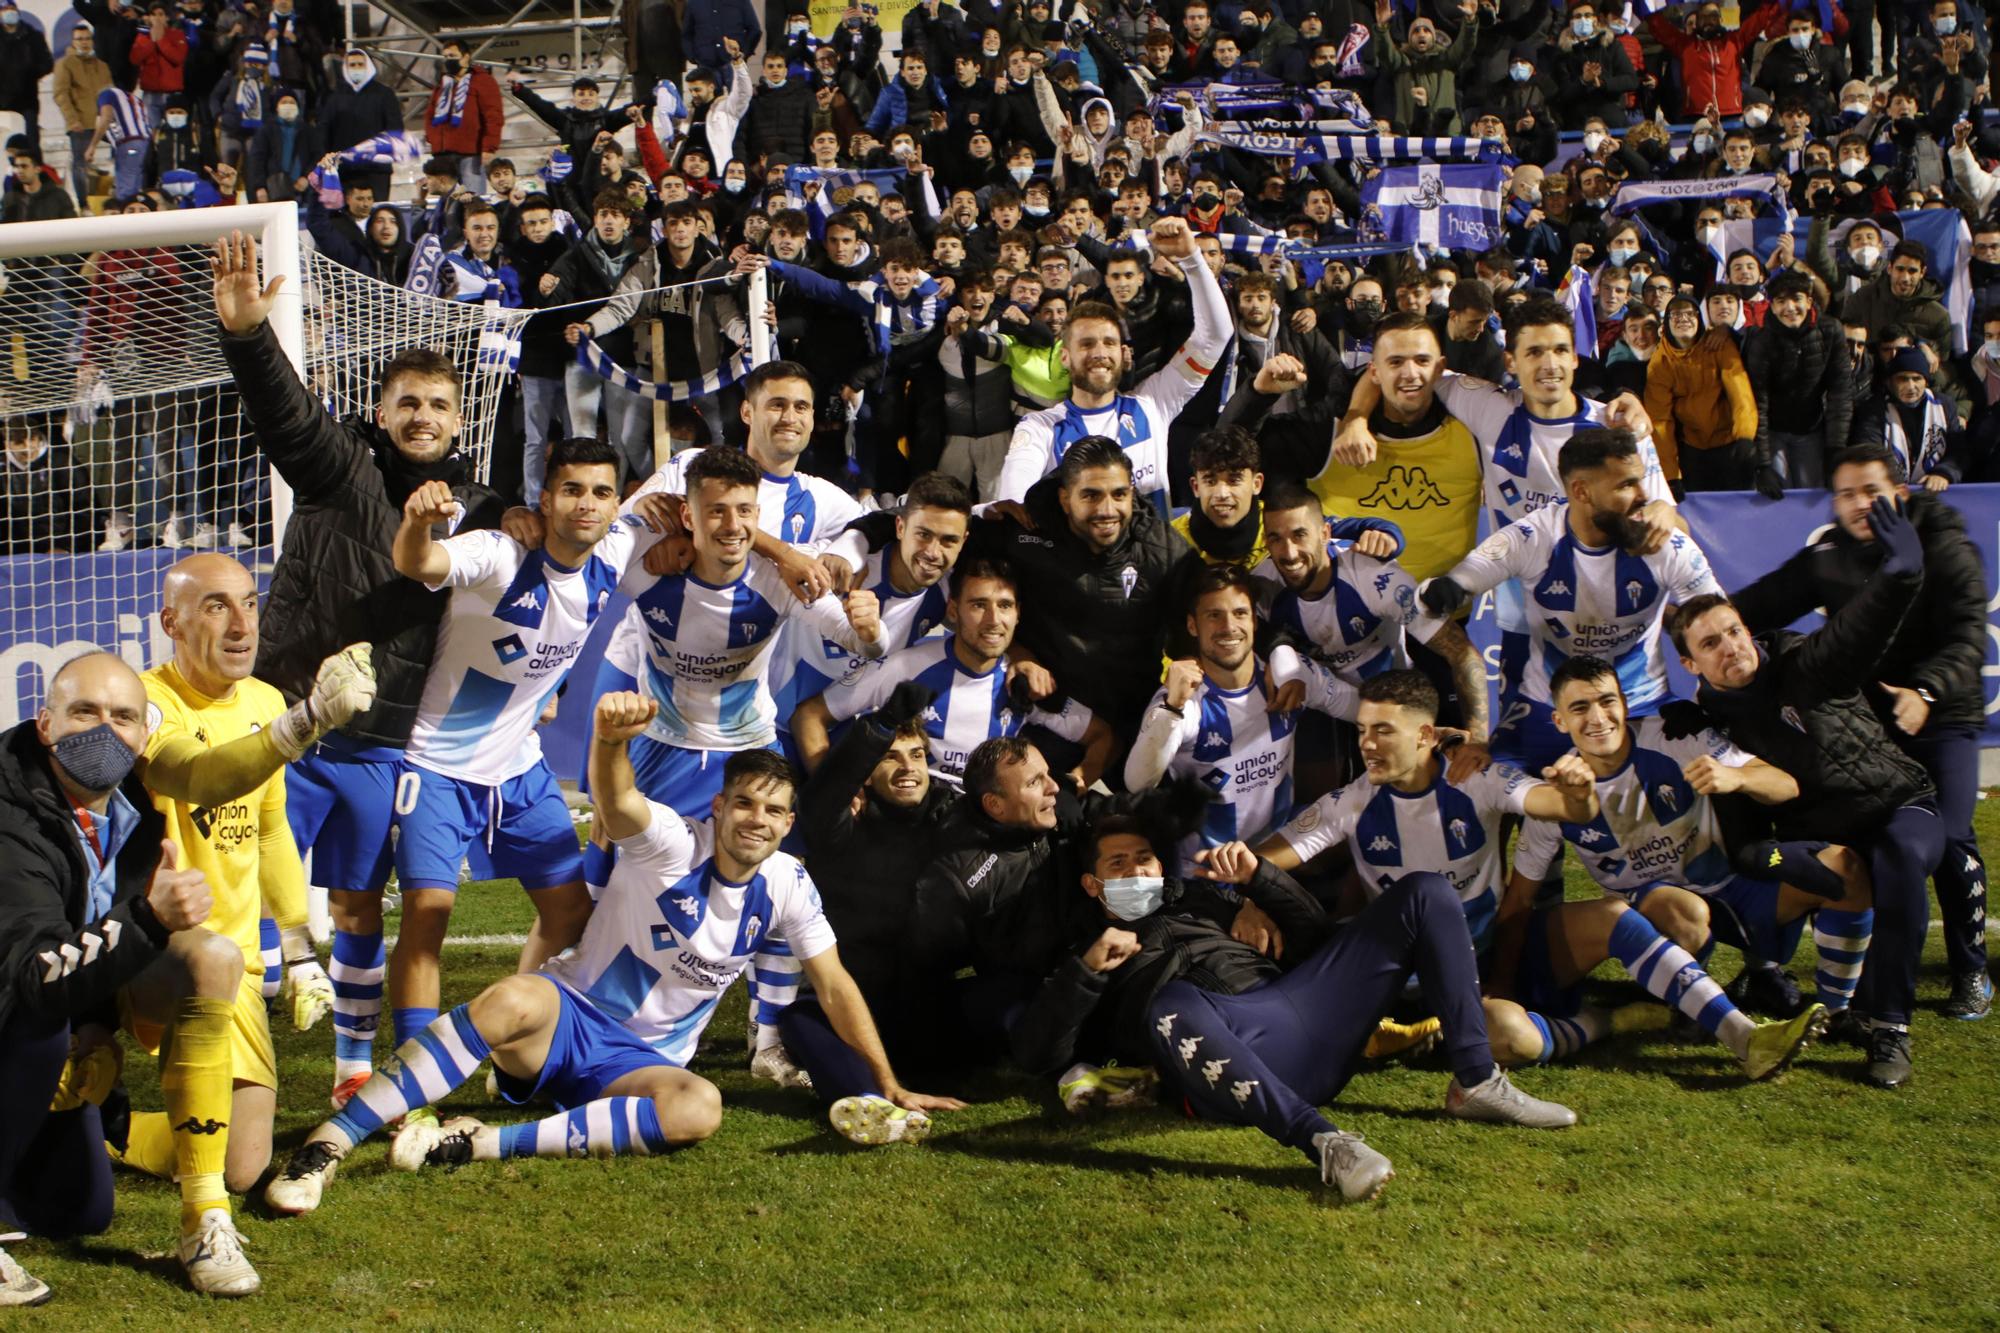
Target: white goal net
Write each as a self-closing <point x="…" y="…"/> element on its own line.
<point x="124" y="444"/>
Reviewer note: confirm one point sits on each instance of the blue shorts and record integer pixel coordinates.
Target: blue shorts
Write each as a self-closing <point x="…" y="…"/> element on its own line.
<point x="1743" y="914"/>
<point x="1526" y="736"/>
<point x="522" y="826"/>
<point x="685" y="781"/>
<point x="1535" y="984"/>
<point x="340" y="805"/>
<point x="588" y="1052"/>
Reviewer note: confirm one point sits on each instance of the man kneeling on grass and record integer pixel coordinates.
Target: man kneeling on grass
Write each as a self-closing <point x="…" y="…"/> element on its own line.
<point x="606" y="1030"/>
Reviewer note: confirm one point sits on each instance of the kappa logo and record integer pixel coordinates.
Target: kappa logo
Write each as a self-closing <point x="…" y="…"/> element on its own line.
<point x="527" y="601"/>
<point x="194" y="1126"/>
<point x="1212" y="739"/>
<point x="1165" y="1027"/>
<point x="659" y="616"/>
<point x="1512" y="450"/>
<point x="1588" y="837"/>
<point x="1187" y="1050"/>
<point x="1972" y="865"/>
<point x="1404" y="488"/>
<point x="931" y="714"/>
<point x="1382" y="843"/>
<point x="687" y="904"/>
<point x="1212" y="1071"/>
<point x="1383" y="580"/>
<point x="1558" y="589"/>
<point x="510" y="649"/>
<point x="1241" y="1090"/>
<point x="1685" y="979"/>
<point x="1668" y="797"/>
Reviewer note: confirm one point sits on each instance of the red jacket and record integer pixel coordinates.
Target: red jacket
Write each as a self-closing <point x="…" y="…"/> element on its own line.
<point x="160" y="63"/>
<point x="1711" y="71"/>
<point x="478" y="128"/>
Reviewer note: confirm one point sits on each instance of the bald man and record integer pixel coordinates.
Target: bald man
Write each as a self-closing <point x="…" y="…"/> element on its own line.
<point x="92" y="899"/>
<point x="217" y="742"/>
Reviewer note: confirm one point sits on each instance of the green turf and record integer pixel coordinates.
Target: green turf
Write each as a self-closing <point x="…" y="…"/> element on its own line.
<point x="1684" y="1199"/>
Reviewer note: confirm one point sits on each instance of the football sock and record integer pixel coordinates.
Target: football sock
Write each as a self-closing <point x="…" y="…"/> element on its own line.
<point x="1842" y="940"/>
<point x="149" y="1144"/>
<point x="602" y="1128"/>
<point x="274" y="957"/>
<point x="196" y="1084"/>
<point x="425" y="1069"/>
<point x="1670" y="973"/>
<point x="407" y="1023"/>
<point x="356" y="971"/>
<point x="1564" y="1037"/>
<point x="774" y="984"/>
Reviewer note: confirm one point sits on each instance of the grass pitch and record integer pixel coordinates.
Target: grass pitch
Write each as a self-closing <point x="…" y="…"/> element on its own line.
<point x="1684" y="1199"/>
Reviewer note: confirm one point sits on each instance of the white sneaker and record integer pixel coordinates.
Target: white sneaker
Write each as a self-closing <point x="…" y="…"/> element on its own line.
<point x="775" y="1063"/>
<point x="171" y="535"/>
<point x="297" y="1189"/>
<point x="1499" y="1102"/>
<point x="238" y="538"/>
<point x="117" y="533"/>
<point x="17" y="1288"/>
<point x="413" y="1142"/>
<point x="203" y="536"/>
<point x="872" y="1121"/>
<point x="214" y="1258"/>
<point x="1347" y="1162"/>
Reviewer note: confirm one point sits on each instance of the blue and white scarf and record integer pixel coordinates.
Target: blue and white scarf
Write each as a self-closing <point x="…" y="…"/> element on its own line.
<point x="903" y="319"/>
<point x="1132" y="425"/>
<point x="250" y="102"/>
<point x="451" y="95"/>
<point x="593" y="359"/>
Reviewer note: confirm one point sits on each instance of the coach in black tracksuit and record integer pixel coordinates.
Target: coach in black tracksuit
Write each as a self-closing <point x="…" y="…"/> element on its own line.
<point x="1796" y="701"/>
<point x="1937" y="710"/>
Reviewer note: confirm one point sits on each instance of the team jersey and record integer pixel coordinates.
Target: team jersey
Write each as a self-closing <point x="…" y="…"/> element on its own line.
<point x="244" y="846"/>
<point x="822" y="664"/>
<point x="708" y="648"/>
<point x="669" y="934"/>
<point x="1238" y="747"/>
<point x="1651" y="828"/>
<point x="1428" y="485"/>
<point x="1137" y="420"/>
<point x="970" y="707"/>
<point x="1358" y="626"/>
<point x="1518" y="452"/>
<point x="1446" y="829"/>
<point x="799" y="509"/>
<point x="1603" y="601"/>
<point x="509" y="636"/>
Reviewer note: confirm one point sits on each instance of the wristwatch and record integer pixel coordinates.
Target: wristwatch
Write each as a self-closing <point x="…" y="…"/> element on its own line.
<point x="1926" y="695"/>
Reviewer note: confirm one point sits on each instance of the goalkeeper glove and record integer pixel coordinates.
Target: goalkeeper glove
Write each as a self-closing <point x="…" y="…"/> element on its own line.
<point x="86" y="1077"/>
<point x="307" y="989"/>
<point x="1443" y="596"/>
<point x="344" y="686"/>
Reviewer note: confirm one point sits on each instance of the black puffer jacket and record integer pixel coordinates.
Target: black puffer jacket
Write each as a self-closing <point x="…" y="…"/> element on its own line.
<point x="1801" y="381"/>
<point x="1081" y="1014"/>
<point x="1942" y="643"/>
<point x="335" y="583"/>
<point x="1805" y="713"/>
<point x="779" y="121"/>
<point x="55" y="963"/>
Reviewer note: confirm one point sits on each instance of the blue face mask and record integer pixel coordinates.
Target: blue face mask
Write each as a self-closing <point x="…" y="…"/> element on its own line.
<point x="98" y="759"/>
<point x="1584" y="28"/>
<point x="1947" y="25"/>
<point x="1520" y="73"/>
<point x="1134" y="897"/>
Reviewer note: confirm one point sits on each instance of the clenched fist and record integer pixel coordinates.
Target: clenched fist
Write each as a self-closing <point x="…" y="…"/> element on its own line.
<point x="623" y="714"/>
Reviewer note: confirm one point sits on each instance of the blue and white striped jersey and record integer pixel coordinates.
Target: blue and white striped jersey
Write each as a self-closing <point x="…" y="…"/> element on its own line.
<point x="707" y="649"/>
<point x="969" y="708"/>
<point x="1517" y="460"/>
<point x="669" y="935"/>
<point x="511" y="632"/>
<point x="821" y="664"/>
<point x="1358" y="626"/>
<point x="1651" y="827"/>
<point x="799" y="509"/>
<point x="1231" y="741"/>
<point x="1603" y="601"/>
<point x="1454" y="831"/>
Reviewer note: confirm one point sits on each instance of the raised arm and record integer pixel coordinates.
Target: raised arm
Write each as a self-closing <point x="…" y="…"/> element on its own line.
<point x="416" y="556"/>
<point x="621" y="809"/>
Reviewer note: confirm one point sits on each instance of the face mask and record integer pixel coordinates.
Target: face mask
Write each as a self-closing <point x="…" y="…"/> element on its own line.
<point x="96" y="760"/>
<point x="1866" y="255"/>
<point x="1708" y="32"/>
<point x="355" y="77"/>
<point x="1853" y="111"/>
<point x="1992" y="350"/>
<point x="1850" y="167"/>
<point x="1034" y="211"/>
<point x="1020" y="174"/>
<point x="11" y="18"/>
<point x="1206" y="201"/>
<point x="1706" y="234"/>
<point x="1593" y="140"/>
<point x="1947" y="25"/>
<point x="454" y="67"/>
<point x="735" y="187"/>
<point x="1366" y="311"/>
<point x="902" y="150"/>
<point x="778" y="82"/>
<point x="1131" y="898"/>
<point x="1701" y="143"/>
<point x="1621" y="255"/>
<point x="795" y="29"/>
<point x="1533" y="194"/>
<point x="177" y="120"/>
<point x="288" y="113"/>
<point x="1520" y="73"/>
<point x="1800" y="40"/>
<point x="1756" y="116"/>
<point x="1584" y="28"/>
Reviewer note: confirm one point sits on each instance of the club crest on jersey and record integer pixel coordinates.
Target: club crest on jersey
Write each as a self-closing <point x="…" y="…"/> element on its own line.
<point x="1634" y="591"/>
<point x="1128" y="579"/>
<point x="1356" y="626"/>
<point x="1668" y="797"/>
<point x="1458" y="830"/>
<point x="1125" y="424"/>
<point x="509" y="650"/>
<point x="798" y="525"/>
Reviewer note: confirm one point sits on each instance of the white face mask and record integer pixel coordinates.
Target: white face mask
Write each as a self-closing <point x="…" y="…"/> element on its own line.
<point x="1584" y="28"/>
<point x="1593" y="140"/>
<point x="1855" y="109"/>
<point x="1020" y="174"/>
<point x="355" y="77"/>
<point x="176" y="120"/>
<point x="1850" y="167"/>
<point x="1520" y="73"/>
<point x="1756" y="116"/>
<point x="1135" y="896"/>
<point x="1706" y="234"/>
<point x="288" y="113"/>
<point x="1701" y="143"/>
<point x="1800" y="40"/>
<point x="1992" y="349"/>
<point x="1865" y="255"/>
<point x="1621" y="255"/>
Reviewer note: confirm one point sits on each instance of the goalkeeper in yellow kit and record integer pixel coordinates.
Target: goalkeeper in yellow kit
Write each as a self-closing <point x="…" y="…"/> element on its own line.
<point x="214" y="759"/>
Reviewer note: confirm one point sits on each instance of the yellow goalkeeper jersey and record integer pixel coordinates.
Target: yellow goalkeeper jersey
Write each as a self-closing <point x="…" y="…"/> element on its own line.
<point x="1427" y="484"/>
<point x="244" y="846"/>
